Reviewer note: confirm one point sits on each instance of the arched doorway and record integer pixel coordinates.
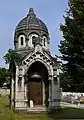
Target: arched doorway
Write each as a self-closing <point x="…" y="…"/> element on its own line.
<point x="38" y="84"/>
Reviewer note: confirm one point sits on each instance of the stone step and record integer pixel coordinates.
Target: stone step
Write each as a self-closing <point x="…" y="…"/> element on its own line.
<point x="37" y="109"/>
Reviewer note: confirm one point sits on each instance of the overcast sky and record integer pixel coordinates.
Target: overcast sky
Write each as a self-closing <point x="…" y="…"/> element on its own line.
<point x="12" y="11"/>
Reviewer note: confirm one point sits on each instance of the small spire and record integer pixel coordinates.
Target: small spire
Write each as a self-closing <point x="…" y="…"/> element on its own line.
<point x="31" y="12"/>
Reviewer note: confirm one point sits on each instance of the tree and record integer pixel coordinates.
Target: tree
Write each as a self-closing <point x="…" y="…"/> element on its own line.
<point x="4" y="76"/>
<point x="72" y="47"/>
<point x="11" y="58"/>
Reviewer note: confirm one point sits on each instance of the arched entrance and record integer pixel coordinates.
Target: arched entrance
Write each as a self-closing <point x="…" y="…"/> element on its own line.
<point x="38" y="84"/>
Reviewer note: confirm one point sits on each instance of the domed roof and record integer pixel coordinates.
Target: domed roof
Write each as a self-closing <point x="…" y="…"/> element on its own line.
<point x="31" y="22"/>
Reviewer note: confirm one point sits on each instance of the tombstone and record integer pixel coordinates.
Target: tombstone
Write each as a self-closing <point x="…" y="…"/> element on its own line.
<point x="31" y="104"/>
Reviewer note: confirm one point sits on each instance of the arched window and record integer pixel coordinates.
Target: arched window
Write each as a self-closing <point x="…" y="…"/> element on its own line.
<point x="44" y="41"/>
<point x="21" y="40"/>
<point x="33" y="40"/>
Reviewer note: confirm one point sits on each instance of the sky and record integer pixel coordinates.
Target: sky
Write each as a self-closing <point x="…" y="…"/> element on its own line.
<point x="12" y="11"/>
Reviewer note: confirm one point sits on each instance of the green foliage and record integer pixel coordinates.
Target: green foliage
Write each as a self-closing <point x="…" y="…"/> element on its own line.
<point x="72" y="47"/>
<point x="11" y="58"/>
<point x="4" y="76"/>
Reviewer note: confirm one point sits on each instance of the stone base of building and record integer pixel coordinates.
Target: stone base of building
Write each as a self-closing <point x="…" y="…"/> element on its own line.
<point x="38" y="110"/>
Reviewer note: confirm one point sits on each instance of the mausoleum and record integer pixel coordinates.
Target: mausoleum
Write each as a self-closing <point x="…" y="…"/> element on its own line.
<point x="35" y="82"/>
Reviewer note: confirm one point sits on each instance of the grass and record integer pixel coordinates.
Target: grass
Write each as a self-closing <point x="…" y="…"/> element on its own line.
<point x="64" y="113"/>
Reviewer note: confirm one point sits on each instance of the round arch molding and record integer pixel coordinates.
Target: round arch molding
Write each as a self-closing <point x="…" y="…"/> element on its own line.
<point x="38" y="78"/>
<point x="41" y="61"/>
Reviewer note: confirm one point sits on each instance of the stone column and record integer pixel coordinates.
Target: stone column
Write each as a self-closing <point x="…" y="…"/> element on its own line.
<point x="55" y="93"/>
<point x="25" y="86"/>
<point x="50" y="91"/>
<point x="59" y="91"/>
<point x="12" y="92"/>
<point x="16" y="85"/>
<point x="26" y="90"/>
<point x="43" y="93"/>
<point x="22" y="80"/>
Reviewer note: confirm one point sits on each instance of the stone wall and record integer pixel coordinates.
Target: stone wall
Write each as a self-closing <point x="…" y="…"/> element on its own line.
<point x="76" y="94"/>
<point x="4" y="91"/>
<point x="72" y="97"/>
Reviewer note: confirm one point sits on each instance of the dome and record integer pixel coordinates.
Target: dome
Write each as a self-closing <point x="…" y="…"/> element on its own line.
<point x="31" y="22"/>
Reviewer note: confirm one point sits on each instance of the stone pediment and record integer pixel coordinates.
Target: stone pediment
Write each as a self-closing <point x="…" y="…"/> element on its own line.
<point x="37" y="53"/>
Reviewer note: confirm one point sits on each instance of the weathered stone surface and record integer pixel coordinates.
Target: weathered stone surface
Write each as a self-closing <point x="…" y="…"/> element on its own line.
<point x="36" y="68"/>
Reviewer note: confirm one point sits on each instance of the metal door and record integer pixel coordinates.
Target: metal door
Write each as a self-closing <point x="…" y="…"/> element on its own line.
<point x="35" y="92"/>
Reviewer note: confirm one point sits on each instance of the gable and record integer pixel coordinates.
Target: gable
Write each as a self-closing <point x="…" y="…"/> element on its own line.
<point x="37" y="53"/>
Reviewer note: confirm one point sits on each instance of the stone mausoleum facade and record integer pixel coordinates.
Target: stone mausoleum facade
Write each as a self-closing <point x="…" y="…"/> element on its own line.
<point x="35" y="82"/>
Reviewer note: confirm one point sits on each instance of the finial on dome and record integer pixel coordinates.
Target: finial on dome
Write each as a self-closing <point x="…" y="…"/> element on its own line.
<point x="31" y="12"/>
